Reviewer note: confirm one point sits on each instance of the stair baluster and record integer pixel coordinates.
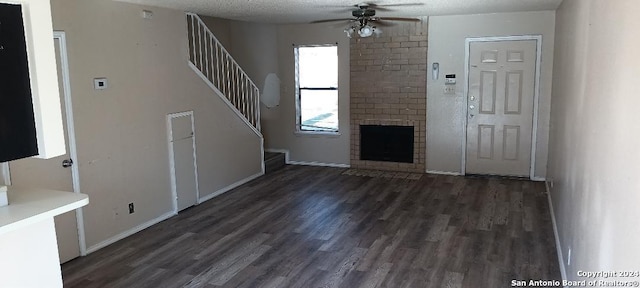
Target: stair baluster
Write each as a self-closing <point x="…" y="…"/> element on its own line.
<point x="214" y="64"/>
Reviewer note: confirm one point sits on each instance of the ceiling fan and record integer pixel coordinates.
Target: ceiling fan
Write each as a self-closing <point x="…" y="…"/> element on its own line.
<point x="365" y="21"/>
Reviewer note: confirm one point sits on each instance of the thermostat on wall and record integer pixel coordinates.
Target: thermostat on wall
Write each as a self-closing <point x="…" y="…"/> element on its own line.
<point x="450" y="79"/>
<point x="99" y="83"/>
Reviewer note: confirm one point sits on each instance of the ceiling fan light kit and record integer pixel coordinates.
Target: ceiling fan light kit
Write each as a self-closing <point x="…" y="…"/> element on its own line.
<point x="364" y="14"/>
<point x="363" y="31"/>
<point x="366" y="31"/>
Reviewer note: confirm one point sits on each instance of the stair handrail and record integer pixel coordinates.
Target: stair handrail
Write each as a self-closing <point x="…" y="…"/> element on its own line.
<point x="236" y="94"/>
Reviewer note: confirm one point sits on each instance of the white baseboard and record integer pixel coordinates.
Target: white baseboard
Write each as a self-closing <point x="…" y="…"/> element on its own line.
<point x="163" y="217"/>
<point x="335" y="165"/>
<point x="305" y="163"/>
<point x="444" y="173"/>
<point x="538" y="179"/>
<point x="129" y="232"/>
<point x="228" y="188"/>
<point x="563" y="270"/>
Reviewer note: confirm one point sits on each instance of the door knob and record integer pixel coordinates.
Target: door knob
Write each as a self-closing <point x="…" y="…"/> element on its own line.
<point x="67" y="163"/>
<point x="472" y="98"/>
<point x="472" y="107"/>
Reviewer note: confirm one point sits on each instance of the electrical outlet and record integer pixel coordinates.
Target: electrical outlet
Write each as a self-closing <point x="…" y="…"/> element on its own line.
<point x="131" y="208"/>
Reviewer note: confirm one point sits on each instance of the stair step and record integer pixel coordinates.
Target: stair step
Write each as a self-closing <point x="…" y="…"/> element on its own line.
<point x="273" y="161"/>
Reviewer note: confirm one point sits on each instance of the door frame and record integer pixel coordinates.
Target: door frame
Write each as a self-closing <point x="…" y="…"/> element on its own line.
<point x="536" y="94"/>
<point x="172" y="164"/>
<point x="71" y="134"/>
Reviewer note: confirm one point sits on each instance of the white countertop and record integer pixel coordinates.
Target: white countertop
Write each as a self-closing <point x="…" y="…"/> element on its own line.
<point x="31" y="205"/>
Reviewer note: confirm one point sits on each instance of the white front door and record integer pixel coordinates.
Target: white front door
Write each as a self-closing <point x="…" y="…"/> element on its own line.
<point x="50" y="174"/>
<point x="500" y="107"/>
<point x="183" y="163"/>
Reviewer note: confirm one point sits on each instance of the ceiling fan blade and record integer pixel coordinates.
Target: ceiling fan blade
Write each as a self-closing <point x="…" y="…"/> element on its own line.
<point x="382" y="23"/>
<point x="398" y="19"/>
<point x="383" y="7"/>
<point x="396" y="5"/>
<point x="333" y="20"/>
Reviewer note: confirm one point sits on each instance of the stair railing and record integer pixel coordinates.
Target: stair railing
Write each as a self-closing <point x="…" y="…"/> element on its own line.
<point x="215" y="65"/>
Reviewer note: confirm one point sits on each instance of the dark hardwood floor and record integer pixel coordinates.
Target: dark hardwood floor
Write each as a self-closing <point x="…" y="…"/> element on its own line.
<point x="329" y="227"/>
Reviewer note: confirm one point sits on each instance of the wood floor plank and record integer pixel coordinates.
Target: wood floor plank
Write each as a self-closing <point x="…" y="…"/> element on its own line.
<point x="375" y="279"/>
<point x="452" y="280"/>
<point x="236" y="267"/>
<point x="225" y="262"/>
<point x="438" y="228"/>
<point x="343" y="268"/>
<point x="323" y="227"/>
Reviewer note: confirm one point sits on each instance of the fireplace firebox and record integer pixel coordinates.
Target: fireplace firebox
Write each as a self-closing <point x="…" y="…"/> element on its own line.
<point x="386" y="143"/>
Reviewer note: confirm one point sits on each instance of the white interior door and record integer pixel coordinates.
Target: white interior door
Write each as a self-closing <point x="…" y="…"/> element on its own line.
<point x="500" y="108"/>
<point x="183" y="159"/>
<point x="50" y="174"/>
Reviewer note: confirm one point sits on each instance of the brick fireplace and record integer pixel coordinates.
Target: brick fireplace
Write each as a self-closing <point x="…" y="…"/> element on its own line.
<point x="388" y="87"/>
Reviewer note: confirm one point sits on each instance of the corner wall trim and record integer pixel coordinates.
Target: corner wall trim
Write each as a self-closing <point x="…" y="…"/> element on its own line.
<point x="335" y="165"/>
<point x="563" y="270"/>
<point x="230" y="187"/>
<point x="130" y="232"/>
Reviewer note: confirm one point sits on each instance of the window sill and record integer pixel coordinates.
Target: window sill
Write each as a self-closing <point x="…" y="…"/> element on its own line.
<point x="317" y="133"/>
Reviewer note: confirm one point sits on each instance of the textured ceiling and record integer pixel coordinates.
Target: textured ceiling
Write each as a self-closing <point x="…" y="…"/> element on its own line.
<point x="301" y="11"/>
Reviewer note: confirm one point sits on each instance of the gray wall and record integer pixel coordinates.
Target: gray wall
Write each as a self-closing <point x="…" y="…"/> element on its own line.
<point x="279" y="123"/>
<point x="255" y="47"/>
<point x="446" y="113"/>
<point x="261" y="49"/>
<point x="121" y="132"/>
<point x="593" y="151"/>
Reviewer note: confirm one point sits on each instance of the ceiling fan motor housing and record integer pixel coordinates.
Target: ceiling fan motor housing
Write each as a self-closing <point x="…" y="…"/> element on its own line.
<point x="367" y="12"/>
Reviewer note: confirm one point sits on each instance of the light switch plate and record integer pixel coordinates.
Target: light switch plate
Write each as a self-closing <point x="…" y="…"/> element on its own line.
<point x="146" y="14"/>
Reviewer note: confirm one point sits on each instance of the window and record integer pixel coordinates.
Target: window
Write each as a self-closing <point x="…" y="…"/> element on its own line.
<point x="317" y="88"/>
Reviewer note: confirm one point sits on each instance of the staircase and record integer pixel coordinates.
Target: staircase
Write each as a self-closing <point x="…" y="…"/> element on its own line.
<point x="273" y="161"/>
<point x="211" y="61"/>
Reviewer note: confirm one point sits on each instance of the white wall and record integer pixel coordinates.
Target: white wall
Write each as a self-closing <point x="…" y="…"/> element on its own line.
<point x="593" y="150"/>
<point x="121" y="132"/>
<point x="446" y="113"/>
<point x="279" y="123"/>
